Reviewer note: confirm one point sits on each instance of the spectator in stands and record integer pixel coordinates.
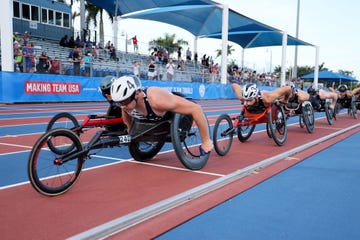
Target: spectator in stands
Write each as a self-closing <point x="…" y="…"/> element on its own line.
<point x="29" y="54"/>
<point x="152" y="70"/>
<point x="17" y="52"/>
<point x="179" y="53"/>
<point x="135" y="43"/>
<point x="195" y="58"/>
<point x="95" y="52"/>
<point x="188" y="55"/>
<point x="136" y="68"/>
<point x="55" y="66"/>
<point x="71" y="43"/>
<point x="64" y="41"/>
<point x="19" y="60"/>
<point x="26" y="37"/>
<point x="236" y="77"/>
<point x="214" y="72"/>
<point x="112" y="51"/>
<point x="170" y="70"/>
<point x="181" y="65"/>
<point x="16" y="37"/>
<point x="88" y="60"/>
<point x="78" y="42"/>
<point x="108" y="44"/>
<point x="77" y="60"/>
<point x="100" y="44"/>
<point x="43" y="65"/>
<point x="165" y="57"/>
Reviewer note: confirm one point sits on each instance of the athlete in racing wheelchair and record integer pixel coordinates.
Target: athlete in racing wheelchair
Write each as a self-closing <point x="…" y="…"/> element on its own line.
<point x="323" y="101"/>
<point x="298" y="104"/>
<point x="153" y="104"/>
<point x="346" y="99"/>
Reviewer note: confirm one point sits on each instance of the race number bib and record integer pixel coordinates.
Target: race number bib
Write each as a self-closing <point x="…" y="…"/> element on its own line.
<point x="125" y="139"/>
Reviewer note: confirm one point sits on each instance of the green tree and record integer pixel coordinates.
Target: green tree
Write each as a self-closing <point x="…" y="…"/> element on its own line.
<point x="92" y="17"/>
<point x="345" y="72"/>
<point x="169" y="42"/>
<point x="230" y="50"/>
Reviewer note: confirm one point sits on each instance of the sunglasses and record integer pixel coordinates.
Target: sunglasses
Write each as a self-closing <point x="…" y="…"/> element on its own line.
<point x="127" y="101"/>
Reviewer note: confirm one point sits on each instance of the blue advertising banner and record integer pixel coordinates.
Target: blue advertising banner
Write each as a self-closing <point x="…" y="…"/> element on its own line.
<point x="27" y="87"/>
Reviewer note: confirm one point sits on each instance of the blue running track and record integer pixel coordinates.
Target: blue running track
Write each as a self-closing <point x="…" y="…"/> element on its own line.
<point x="316" y="199"/>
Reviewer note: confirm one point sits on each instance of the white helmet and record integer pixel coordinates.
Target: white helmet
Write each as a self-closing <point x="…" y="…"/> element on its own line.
<point x="249" y="91"/>
<point x="124" y="87"/>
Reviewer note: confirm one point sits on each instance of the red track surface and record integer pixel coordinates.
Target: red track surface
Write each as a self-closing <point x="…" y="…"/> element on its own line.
<point x="107" y="193"/>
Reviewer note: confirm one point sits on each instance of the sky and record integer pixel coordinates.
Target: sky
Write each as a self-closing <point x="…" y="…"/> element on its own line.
<point x="332" y="25"/>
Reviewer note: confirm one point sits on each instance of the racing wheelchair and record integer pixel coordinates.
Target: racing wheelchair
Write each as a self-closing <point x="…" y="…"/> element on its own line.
<point x="351" y="104"/>
<point x="304" y="111"/>
<point x="58" y="156"/>
<point x="244" y="124"/>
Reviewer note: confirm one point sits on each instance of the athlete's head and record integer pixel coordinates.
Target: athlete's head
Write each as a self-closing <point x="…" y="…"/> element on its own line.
<point x="123" y="89"/>
<point x="342" y="88"/>
<point x="312" y="91"/>
<point x="249" y="91"/>
<point x="105" y="85"/>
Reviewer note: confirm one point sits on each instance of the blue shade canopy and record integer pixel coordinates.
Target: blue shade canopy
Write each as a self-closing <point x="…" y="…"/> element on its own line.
<point x="202" y="18"/>
<point x="331" y="77"/>
<point x="252" y="39"/>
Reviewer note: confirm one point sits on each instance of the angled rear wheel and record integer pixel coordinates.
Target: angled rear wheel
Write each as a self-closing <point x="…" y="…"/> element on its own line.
<point x="277" y="124"/>
<point x="186" y="140"/>
<point x="308" y="116"/>
<point x="223" y="134"/>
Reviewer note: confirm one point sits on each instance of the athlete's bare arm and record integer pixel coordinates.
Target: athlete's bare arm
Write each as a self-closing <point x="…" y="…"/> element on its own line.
<point x="270" y="97"/>
<point x="161" y="101"/>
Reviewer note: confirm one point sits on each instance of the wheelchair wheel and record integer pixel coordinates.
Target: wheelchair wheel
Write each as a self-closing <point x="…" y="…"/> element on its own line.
<point x="301" y="121"/>
<point x="244" y="132"/>
<point x="144" y="151"/>
<point x="47" y="172"/>
<point x="330" y="113"/>
<point x="62" y="120"/>
<point x="353" y="109"/>
<point x="185" y="137"/>
<point x="308" y="116"/>
<point x="223" y="134"/>
<point x="277" y="124"/>
<point x="268" y="130"/>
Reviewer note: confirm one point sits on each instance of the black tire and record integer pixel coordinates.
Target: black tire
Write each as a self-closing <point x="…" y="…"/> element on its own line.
<point x="301" y="121"/>
<point x="330" y="113"/>
<point x="185" y="137"/>
<point x="244" y="132"/>
<point x="62" y="120"/>
<point x="268" y="131"/>
<point x="145" y="151"/>
<point x="353" y="108"/>
<point x="308" y="116"/>
<point x="277" y="124"/>
<point x="223" y="134"/>
<point x="46" y="173"/>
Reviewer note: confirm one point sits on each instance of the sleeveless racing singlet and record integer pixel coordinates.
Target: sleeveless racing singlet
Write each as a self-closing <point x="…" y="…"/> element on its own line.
<point x="151" y="116"/>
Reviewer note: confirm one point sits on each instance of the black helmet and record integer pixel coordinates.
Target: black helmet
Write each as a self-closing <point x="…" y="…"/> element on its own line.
<point x="342" y="88"/>
<point x="105" y="85"/>
<point x="311" y="90"/>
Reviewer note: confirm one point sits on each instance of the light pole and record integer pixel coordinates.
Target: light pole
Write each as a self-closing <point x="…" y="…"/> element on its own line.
<point x="270" y="63"/>
<point x="126" y="40"/>
<point x="294" y="74"/>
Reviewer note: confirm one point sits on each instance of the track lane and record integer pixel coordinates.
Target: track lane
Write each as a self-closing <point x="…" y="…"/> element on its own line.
<point x="134" y="186"/>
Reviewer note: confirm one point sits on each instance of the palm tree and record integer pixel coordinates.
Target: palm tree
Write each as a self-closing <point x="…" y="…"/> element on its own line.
<point x="230" y="50"/>
<point x="92" y="13"/>
<point x="169" y="43"/>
